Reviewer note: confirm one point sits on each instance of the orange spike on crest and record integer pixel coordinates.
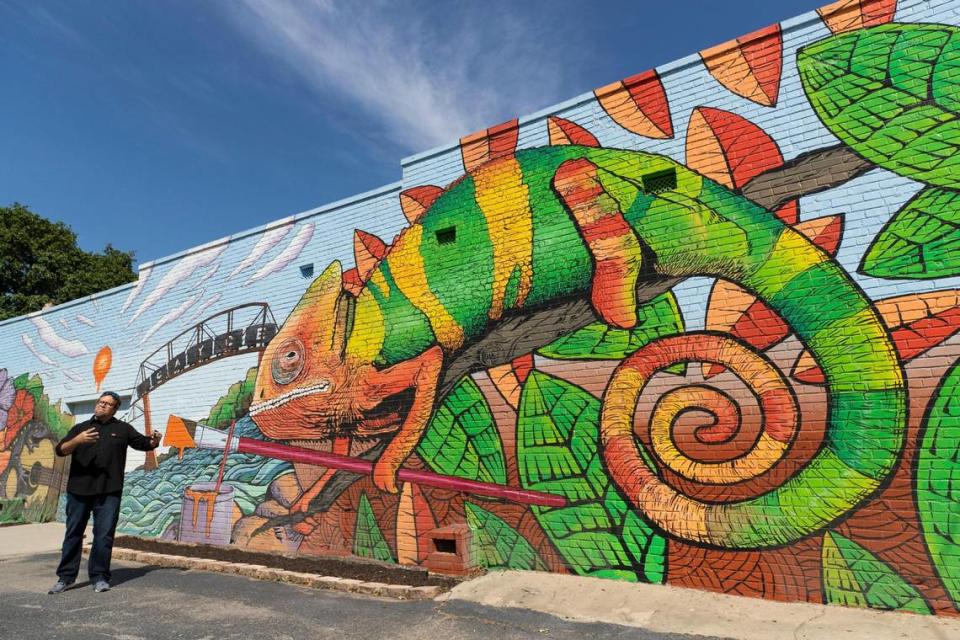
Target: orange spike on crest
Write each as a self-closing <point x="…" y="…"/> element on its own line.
<point x="562" y="132"/>
<point x="489" y="144"/>
<point x="749" y="66"/>
<point x="849" y="15"/>
<point x="417" y="200"/>
<point x="352" y="283"/>
<point x="638" y="104"/>
<point x="368" y="251"/>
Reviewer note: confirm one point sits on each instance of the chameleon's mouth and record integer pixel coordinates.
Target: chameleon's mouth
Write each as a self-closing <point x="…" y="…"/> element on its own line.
<point x="279" y="401"/>
<point x="386" y="417"/>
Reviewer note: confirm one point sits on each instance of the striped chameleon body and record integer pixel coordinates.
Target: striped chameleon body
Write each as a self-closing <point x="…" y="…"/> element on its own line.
<point x="544" y="225"/>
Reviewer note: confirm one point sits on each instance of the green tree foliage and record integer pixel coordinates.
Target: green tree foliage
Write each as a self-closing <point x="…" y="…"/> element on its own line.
<point x="40" y="262"/>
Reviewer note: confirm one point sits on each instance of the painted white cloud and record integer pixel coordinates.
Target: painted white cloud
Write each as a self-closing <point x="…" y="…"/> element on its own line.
<point x="267" y="241"/>
<point x="82" y="319"/>
<point x="425" y="82"/>
<point x="182" y="270"/>
<point x="71" y="375"/>
<point x="63" y="346"/>
<point x="28" y="343"/>
<point x="171" y="316"/>
<point x="207" y="276"/>
<point x="64" y="324"/>
<point x="196" y="315"/>
<point x="285" y="257"/>
<point x="141" y="283"/>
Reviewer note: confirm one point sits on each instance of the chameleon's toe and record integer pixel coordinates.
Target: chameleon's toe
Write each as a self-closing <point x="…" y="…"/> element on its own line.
<point x="385" y="476"/>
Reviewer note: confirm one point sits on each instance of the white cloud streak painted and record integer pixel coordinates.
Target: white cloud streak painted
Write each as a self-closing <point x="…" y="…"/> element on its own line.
<point x="425" y="83"/>
<point x="141" y="283"/>
<point x="180" y="272"/>
<point x="28" y="343"/>
<point x="63" y="323"/>
<point x="285" y="257"/>
<point x="63" y="346"/>
<point x="71" y="375"/>
<point x="207" y="276"/>
<point x="82" y="319"/>
<point x="267" y="241"/>
<point x="206" y="305"/>
<point x="171" y="316"/>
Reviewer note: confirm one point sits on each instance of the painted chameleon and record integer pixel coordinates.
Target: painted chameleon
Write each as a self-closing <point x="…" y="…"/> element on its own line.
<point x="520" y="234"/>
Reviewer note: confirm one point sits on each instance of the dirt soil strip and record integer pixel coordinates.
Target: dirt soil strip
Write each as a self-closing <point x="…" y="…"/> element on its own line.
<point x="356" y="575"/>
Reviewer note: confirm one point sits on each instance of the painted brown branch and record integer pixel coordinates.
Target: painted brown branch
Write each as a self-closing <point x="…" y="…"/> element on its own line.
<point x="808" y="173"/>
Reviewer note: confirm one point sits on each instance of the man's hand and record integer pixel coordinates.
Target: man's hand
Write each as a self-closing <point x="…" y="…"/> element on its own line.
<point x="87" y="436"/>
<point x="155" y="438"/>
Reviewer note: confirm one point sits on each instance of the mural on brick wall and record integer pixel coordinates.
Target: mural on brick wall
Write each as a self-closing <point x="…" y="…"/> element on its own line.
<point x="521" y="371"/>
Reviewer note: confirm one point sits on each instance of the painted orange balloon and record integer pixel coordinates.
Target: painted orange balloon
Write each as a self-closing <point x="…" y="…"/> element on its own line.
<point x="101" y="365"/>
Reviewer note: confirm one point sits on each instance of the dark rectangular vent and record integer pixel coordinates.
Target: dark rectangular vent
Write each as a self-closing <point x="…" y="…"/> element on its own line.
<point x="306" y="270"/>
<point x="447" y="236"/>
<point x="660" y="181"/>
<point x="445" y="546"/>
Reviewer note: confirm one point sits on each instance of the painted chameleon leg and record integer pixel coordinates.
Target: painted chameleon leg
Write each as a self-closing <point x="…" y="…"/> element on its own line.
<point x="422" y="373"/>
<point x="612" y="243"/>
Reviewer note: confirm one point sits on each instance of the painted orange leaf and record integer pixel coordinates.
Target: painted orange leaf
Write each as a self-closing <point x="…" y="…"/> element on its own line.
<point x="368" y="251"/>
<point x="849" y="15"/>
<point x="352" y="282"/>
<point x="562" y="131"/>
<point x="749" y="66"/>
<point x="738" y="312"/>
<point x="415" y="201"/>
<point x="917" y="323"/>
<point x="496" y="142"/>
<point x="4" y="460"/>
<point x="414" y="519"/>
<point x="20" y="414"/>
<point x="638" y="104"/>
<point x="730" y="149"/>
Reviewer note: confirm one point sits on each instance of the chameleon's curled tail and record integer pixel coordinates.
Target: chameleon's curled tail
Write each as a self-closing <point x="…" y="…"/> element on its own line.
<point x="723" y="235"/>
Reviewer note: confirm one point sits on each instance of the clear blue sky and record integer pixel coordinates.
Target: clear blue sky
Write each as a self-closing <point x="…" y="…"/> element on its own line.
<point x="159" y="125"/>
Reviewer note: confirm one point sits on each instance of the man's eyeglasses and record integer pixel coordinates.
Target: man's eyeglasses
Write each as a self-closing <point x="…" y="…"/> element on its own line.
<point x="106" y="403"/>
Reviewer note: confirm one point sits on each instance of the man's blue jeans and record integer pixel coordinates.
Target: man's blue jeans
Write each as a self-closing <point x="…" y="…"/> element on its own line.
<point x="106" y="510"/>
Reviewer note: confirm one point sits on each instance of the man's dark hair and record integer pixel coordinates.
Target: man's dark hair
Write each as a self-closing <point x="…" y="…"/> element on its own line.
<point x="112" y="394"/>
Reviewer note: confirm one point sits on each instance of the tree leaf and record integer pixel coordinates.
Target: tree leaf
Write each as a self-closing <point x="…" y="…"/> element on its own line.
<point x="598" y="341"/>
<point x="937" y="481"/>
<point x="890" y="93"/>
<point x="462" y="438"/>
<point x="638" y="104"/>
<point x="497" y="545"/>
<point x="854" y="577"/>
<point x="749" y="66"/>
<point x="848" y="15"/>
<point x="921" y="241"/>
<point x="558" y="452"/>
<point x="368" y="540"/>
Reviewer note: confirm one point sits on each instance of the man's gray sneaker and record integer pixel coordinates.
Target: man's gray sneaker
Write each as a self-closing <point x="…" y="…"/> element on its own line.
<point x="60" y="587"/>
<point x="101" y="586"/>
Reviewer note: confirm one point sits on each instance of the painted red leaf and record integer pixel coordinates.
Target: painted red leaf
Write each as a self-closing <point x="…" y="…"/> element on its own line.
<point x="20" y="414"/>
<point x="352" y="282"/>
<point x="749" y="66"/>
<point x="489" y="144"/>
<point x="638" y="104"/>
<point x="415" y="201"/>
<point x="562" y="131"/>
<point x="849" y="15"/>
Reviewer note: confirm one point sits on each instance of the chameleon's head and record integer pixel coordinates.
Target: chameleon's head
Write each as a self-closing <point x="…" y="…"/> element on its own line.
<point x="302" y="378"/>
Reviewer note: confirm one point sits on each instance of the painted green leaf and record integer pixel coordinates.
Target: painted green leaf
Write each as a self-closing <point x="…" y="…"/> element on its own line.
<point x="854" y="577"/>
<point x="558" y="452"/>
<point x="368" y="540"/>
<point x="921" y="241"/>
<point x="497" y="545"/>
<point x="462" y="438"/>
<point x="938" y="481"/>
<point x="598" y="341"/>
<point x="890" y="93"/>
<point x="235" y="403"/>
<point x="11" y="511"/>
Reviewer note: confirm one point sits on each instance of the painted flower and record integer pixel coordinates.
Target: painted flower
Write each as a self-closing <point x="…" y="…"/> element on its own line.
<point x="7" y="393"/>
<point x="20" y="414"/>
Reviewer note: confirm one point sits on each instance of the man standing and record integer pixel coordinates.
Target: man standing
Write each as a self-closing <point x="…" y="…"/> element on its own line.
<point x="99" y="450"/>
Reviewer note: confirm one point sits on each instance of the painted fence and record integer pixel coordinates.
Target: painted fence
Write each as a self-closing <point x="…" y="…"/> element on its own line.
<point x="695" y="328"/>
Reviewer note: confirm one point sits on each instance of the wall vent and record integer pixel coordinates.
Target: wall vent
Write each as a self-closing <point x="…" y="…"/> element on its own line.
<point x="660" y="181"/>
<point x="447" y="236"/>
<point x="306" y="270"/>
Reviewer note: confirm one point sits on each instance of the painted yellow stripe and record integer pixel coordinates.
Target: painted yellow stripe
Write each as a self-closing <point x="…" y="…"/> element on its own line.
<point x="505" y="203"/>
<point x="366" y="339"/>
<point x="406" y="266"/>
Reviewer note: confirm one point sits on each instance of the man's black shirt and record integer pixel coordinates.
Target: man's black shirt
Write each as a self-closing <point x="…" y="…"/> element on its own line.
<point x="97" y="468"/>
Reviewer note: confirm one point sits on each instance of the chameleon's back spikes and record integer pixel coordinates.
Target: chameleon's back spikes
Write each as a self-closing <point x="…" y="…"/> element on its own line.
<point x="415" y="202"/>
<point x="489" y="144"/>
<point x="612" y="243"/>
<point x="352" y="283"/>
<point x="368" y="251"/>
<point x="563" y="132"/>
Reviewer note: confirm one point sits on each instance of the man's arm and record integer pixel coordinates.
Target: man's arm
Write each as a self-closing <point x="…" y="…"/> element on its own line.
<point x="141" y="442"/>
<point x="78" y="435"/>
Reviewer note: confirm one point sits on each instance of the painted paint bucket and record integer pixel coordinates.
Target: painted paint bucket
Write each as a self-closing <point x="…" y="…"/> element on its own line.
<point x="206" y="517"/>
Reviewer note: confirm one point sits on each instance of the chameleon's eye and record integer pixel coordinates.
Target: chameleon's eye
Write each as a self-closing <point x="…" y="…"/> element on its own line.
<point x="287" y="361"/>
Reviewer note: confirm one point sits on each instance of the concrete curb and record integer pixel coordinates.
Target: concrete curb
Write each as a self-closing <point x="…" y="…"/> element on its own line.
<point x="261" y="572"/>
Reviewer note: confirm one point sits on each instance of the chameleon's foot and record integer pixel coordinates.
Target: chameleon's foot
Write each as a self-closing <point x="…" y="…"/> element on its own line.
<point x="385" y="475"/>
